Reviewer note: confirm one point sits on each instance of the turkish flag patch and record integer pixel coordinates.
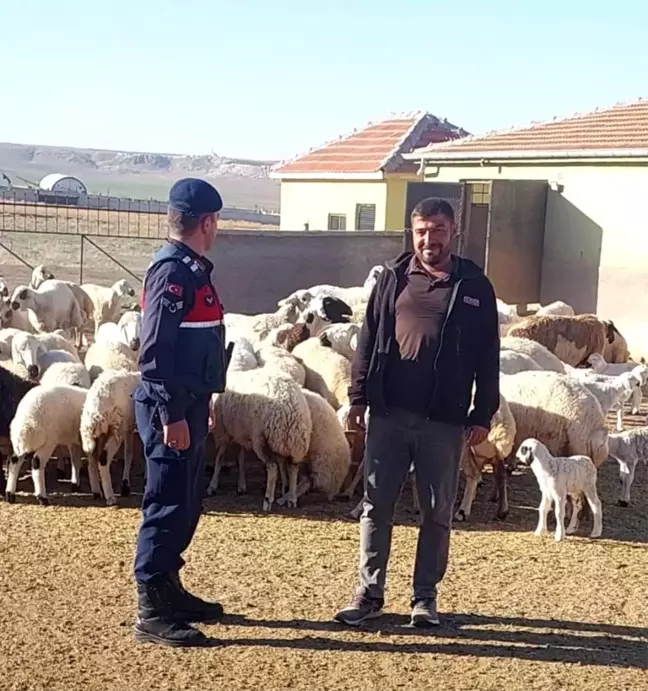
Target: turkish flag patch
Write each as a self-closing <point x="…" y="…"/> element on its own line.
<point x="174" y="289"/>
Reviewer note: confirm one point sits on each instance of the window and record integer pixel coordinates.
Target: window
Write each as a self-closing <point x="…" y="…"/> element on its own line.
<point x="365" y="217"/>
<point x="480" y="193"/>
<point x="337" y="222"/>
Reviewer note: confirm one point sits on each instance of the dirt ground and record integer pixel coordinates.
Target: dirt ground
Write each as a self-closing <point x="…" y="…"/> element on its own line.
<point x="518" y="612"/>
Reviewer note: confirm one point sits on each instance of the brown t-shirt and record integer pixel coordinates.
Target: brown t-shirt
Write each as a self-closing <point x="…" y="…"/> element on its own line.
<point x="421" y="306"/>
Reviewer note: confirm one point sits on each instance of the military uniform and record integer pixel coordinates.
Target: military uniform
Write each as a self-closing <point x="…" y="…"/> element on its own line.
<point x="182" y="362"/>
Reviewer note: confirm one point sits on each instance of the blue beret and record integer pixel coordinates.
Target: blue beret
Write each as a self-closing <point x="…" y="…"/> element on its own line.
<point x="193" y="197"/>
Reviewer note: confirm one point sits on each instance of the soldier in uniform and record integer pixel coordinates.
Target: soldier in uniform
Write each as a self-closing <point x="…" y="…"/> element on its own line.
<point x="182" y="362"/>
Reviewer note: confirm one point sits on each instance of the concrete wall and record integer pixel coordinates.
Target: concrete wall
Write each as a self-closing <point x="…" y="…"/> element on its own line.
<point x="255" y="269"/>
<point x="515" y="237"/>
<point x="595" y="252"/>
<point x="311" y="201"/>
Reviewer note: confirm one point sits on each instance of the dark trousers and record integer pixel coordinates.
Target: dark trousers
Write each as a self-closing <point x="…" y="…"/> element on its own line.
<point x="175" y="480"/>
<point x="394" y="442"/>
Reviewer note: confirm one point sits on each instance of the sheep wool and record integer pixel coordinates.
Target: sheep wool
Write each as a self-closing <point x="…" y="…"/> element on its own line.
<point x="512" y="362"/>
<point x="46" y="417"/>
<point x="267" y="414"/>
<point x="536" y="351"/>
<point x="278" y="360"/>
<point x="558" y="411"/>
<point x="329" y="456"/>
<point x="68" y="373"/>
<point x="327" y="373"/>
<point x="109" y="357"/>
<point x="571" y="338"/>
<point x="108" y="420"/>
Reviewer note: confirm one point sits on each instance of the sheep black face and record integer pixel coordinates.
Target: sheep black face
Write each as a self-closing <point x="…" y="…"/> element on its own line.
<point x="33" y="371"/>
<point x="15" y="306"/>
<point x="5" y="292"/>
<point x="525" y="454"/>
<point x="335" y="310"/>
<point x="134" y="344"/>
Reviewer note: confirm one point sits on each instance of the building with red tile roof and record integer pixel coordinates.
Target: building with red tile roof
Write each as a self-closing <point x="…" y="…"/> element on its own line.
<point x="556" y="210"/>
<point x="358" y="181"/>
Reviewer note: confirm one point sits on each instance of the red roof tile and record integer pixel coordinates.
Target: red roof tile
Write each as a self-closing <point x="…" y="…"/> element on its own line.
<point x="621" y="127"/>
<point x="374" y="148"/>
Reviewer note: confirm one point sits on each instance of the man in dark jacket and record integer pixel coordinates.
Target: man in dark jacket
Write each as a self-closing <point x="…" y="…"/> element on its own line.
<point x="182" y="361"/>
<point x="430" y="334"/>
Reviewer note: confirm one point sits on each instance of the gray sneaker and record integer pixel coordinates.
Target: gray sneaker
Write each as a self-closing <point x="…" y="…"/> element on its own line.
<point x="359" y="610"/>
<point x="424" y="613"/>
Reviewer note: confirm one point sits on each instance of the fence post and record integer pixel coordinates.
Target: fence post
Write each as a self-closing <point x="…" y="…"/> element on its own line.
<point x="81" y="261"/>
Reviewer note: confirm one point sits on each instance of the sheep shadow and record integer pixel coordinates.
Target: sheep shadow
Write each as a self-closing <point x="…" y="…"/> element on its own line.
<point x="470" y="635"/>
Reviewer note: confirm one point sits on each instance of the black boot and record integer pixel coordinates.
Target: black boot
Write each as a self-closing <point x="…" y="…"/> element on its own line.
<point x="192" y="608"/>
<point x="157" y="620"/>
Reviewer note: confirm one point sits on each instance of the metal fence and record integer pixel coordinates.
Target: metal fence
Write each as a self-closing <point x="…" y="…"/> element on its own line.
<point x="36" y="211"/>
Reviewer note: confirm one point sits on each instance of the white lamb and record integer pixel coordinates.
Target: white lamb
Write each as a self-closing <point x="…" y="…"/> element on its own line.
<point x="557" y="308"/>
<point x="507" y="316"/>
<point x="128" y="330"/>
<point x="256" y="327"/>
<point x="106" y="301"/>
<point x="536" y="351"/>
<point x="267" y="414"/>
<point x="103" y="357"/>
<point x="329" y="456"/>
<point x="343" y="338"/>
<point x="327" y="373"/>
<point x="600" y="366"/>
<point x="611" y="392"/>
<point x="53" y="305"/>
<point x="46" y="417"/>
<point x="559" y="477"/>
<point x="6" y="337"/>
<point x="628" y="448"/>
<point x="512" y="362"/>
<point x="69" y="373"/>
<point x="275" y="359"/>
<point x="106" y="421"/>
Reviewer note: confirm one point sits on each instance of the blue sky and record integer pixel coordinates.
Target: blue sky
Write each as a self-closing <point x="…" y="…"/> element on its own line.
<point x="267" y="79"/>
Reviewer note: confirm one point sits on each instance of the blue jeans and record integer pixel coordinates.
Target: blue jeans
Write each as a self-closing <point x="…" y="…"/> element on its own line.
<point x="175" y="480"/>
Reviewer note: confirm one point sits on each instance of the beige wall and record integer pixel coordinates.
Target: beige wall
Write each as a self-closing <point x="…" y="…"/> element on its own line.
<point x="311" y="201"/>
<point x="595" y="252"/>
<point x="397" y="199"/>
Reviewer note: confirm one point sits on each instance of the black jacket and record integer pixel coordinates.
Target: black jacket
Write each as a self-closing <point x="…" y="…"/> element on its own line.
<point x="468" y="350"/>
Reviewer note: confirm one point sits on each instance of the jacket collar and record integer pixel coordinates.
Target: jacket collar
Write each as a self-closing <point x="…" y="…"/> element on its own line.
<point x="461" y="267"/>
<point x="199" y="259"/>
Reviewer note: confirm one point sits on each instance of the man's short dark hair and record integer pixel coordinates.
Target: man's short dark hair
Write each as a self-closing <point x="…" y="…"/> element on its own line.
<point x="433" y="207"/>
<point x="183" y="224"/>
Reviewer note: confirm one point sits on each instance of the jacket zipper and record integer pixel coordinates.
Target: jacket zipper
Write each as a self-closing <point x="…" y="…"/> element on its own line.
<point x="453" y="299"/>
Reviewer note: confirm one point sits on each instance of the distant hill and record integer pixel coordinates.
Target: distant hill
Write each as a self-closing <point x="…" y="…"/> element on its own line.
<point x="242" y="182"/>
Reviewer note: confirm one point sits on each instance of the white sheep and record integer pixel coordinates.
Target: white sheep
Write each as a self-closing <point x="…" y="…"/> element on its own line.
<point x="343" y="338"/>
<point x="103" y="357"/>
<point x="36" y="352"/>
<point x="106" y="421"/>
<point x="39" y="275"/>
<point x="556" y="308"/>
<point x="243" y="357"/>
<point x="600" y="366"/>
<point x="628" y="448"/>
<point x="268" y="414"/>
<point x="6" y="337"/>
<point x="329" y="457"/>
<point x="128" y="330"/>
<point x="507" y="316"/>
<point x="558" y="411"/>
<point x="327" y="373"/>
<point x="46" y="417"/>
<point x="352" y="296"/>
<point x="275" y="359"/>
<point x="107" y="301"/>
<point x="495" y="450"/>
<point x="610" y="392"/>
<point x="558" y="478"/>
<point x="53" y="306"/>
<point x="536" y="351"/>
<point x="512" y="362"/>
<point x="257" y="327"/>
<point x="69" y="373"/>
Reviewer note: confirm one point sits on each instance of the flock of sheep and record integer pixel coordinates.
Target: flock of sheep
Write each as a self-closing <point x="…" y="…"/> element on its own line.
<point x="286" y="401"/>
